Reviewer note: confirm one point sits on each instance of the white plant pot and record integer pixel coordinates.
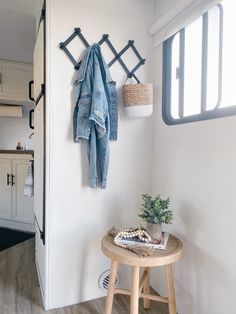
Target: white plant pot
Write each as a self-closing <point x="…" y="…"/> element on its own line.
<point x="154" y="230"/>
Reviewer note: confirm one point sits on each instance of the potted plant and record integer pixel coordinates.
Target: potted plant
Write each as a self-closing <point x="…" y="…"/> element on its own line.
<point x="155" y="211"/>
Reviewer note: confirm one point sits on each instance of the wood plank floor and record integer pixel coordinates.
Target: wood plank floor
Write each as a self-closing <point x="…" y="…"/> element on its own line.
<point x="20" y="293"/>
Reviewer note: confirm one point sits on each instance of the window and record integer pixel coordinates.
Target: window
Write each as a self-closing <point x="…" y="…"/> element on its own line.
<point x="199" y="65"/>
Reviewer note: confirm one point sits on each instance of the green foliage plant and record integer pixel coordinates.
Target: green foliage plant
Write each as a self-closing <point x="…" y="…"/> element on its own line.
<point x="156" y="210"/>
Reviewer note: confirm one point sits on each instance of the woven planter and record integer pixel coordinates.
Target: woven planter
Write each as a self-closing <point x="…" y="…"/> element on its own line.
<point x="138" y="99"/>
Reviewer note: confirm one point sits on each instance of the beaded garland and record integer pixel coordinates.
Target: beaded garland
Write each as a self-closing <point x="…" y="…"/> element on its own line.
<point x="142" y="234"/>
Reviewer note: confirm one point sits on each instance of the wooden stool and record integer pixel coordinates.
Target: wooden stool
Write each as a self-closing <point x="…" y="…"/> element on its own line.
<point x="141" y="288"/>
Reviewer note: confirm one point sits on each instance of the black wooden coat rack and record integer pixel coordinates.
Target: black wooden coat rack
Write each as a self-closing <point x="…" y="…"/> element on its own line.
<point x="117" y="55"/>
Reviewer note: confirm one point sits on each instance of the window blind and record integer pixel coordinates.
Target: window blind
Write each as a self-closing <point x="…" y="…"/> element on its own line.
<point x="177" y="17"/>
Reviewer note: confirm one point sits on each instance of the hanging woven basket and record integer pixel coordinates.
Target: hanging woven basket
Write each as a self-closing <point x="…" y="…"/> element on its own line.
<point x="138" y="99"/>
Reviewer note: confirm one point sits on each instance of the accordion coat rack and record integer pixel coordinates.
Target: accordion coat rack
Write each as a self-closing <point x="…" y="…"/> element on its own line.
<point x="117" y="55"/>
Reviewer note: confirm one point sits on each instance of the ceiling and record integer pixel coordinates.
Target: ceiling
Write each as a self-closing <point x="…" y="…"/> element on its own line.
<point x="17" y="30"/>
<point x="27" y="6"/>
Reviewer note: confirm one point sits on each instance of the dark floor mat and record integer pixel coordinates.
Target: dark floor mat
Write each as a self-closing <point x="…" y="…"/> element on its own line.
<point x="9" y="237"/>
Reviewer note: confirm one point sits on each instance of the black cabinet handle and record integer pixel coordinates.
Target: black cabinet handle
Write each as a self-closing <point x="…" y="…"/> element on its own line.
<point x="30" y="90"/>
<point x="31" y="118"/>
<point x="8" y="179"/>
<point x="12" y="179"/>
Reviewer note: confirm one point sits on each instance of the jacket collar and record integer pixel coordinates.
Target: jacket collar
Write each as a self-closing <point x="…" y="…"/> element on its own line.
<point x="96" y="49"/>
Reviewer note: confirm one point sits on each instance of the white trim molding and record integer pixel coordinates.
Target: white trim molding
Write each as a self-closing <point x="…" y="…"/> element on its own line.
<point x="177" y="17"/>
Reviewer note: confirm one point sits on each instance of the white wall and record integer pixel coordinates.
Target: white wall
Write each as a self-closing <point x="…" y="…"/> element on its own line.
<point x="195" y="166"/>
<point x="14" y="130"/>
<point x="77" y="216"/>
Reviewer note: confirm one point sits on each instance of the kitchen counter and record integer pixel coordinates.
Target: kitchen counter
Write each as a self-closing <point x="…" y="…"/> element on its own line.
<point x="14" y="151"/>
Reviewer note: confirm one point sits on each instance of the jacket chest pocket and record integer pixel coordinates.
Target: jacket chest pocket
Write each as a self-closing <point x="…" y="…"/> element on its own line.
<point x="84" y="105"/>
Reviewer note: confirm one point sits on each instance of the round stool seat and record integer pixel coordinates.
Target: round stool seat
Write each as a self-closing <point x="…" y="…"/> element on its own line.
<point x="171" y="253"/>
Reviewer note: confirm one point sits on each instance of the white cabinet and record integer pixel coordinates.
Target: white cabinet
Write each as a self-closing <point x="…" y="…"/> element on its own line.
<point x="5" y="188"/>
<point x="16" y="210"/>
<point x="14" y="81"/>
<point x="22" y="205"/>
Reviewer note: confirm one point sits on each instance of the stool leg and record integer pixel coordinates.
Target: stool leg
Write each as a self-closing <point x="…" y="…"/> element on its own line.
<point x="110" y="292"/>
<point x="134" y="290"/>
<point x="170" y="289"/>
<point x="146" y="289"/>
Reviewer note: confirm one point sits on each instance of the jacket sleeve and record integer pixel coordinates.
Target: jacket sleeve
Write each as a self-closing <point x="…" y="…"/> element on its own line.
<point x="81" y="122"/>
<point x="99" y="103"/>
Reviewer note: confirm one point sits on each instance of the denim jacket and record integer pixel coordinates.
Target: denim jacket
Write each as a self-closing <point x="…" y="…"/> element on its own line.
<point x="95" y="114"/>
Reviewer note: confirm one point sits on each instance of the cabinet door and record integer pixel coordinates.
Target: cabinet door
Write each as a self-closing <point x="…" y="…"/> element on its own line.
<point x="39" y="61"/>
<point x="15" y="77"/>
<point x="5" y="189"/>
<point x="39" y="162"/>
<point x="23" y="208"/>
